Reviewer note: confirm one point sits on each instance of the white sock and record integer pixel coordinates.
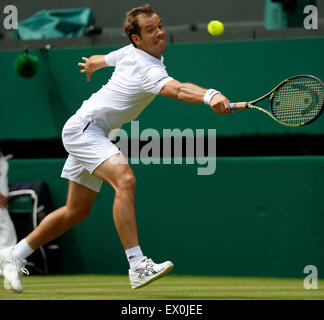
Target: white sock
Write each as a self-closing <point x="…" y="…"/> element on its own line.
<point x="134" y="256"/>
<point x="22" y="250"/>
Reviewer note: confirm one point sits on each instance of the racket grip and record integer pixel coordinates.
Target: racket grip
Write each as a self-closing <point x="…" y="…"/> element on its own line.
<point x="238" y="105"/>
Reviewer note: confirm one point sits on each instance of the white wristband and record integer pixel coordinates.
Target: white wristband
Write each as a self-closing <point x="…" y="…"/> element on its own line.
<point x="209" y="95"/>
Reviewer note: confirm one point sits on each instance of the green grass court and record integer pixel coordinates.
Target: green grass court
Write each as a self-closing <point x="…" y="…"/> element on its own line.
<point x="172" y="287"/>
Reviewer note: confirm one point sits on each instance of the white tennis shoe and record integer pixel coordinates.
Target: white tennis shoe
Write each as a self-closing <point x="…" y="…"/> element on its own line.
<point x="13" y="270"/>
<point x="147" y="271"/>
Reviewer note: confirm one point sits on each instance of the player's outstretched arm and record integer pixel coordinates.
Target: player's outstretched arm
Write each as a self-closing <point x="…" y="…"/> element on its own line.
<point x="92" y="64"/>
<point x="191" y="93"/>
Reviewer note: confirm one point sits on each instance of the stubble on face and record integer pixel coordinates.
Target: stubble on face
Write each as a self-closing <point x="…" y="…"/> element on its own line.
<point x="152" y="35"/>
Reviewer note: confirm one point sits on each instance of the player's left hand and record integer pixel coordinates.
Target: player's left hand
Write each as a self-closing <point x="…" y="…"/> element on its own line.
<point x="87" y="67"/>
<point x="220" y="104"/>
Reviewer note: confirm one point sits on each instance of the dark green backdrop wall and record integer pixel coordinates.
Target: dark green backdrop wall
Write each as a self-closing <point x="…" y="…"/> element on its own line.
<point x="253" y="217"/>
<point x="38" y="107"/>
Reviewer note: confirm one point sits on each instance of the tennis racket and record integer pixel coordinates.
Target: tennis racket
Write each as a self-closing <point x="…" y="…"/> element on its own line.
<point x="295" y="102"/>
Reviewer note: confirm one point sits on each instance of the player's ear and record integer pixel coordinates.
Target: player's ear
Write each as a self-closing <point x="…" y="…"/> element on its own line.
<point x="136" y="39"/>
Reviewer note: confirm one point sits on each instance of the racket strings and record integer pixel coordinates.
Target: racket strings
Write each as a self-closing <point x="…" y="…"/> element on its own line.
<point x="298" y="101"/>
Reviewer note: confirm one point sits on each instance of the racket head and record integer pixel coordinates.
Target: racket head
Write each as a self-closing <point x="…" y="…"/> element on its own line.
<point x="298" y="100"/>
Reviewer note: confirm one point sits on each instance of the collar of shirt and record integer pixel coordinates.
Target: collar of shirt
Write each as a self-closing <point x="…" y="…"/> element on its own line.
<point x="145" y="54"/>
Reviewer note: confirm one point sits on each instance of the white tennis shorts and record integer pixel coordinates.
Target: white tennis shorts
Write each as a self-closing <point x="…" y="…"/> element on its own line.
<point x="87" y="150"/>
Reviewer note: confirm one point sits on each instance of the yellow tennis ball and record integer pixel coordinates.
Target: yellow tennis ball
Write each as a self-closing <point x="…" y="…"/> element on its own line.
<point x="215" y="27"/>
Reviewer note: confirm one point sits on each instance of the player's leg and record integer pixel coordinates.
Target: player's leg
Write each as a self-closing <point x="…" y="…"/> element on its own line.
<point x="77" y="208"/>
<point x="116" y="172"/>
<point x="120" y="176"/>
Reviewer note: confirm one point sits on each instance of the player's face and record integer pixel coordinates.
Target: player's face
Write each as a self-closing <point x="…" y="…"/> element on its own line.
<point x="153" y="35"/>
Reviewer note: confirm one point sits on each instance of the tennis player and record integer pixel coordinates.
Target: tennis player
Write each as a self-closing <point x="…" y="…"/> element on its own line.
<point x="139" y="76"/>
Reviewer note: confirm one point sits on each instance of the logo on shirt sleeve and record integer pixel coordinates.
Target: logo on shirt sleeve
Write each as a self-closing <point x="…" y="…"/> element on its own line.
<point x="157" y="83"/>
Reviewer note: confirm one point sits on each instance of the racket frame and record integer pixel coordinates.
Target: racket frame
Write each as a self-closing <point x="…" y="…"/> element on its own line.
<point x="252" y="104"/>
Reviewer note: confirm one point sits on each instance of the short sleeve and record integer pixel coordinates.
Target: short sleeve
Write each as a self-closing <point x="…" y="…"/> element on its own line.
<point x="154" y="80"/>
<point x="111" y="58"/>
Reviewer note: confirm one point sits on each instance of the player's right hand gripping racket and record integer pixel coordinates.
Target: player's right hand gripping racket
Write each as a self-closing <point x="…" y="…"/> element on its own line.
<point x="295" y="102"/>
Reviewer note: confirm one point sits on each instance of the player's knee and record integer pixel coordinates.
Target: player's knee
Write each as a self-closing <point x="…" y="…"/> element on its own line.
<point x="78" y="213"/>
<point x="127" y="182"/>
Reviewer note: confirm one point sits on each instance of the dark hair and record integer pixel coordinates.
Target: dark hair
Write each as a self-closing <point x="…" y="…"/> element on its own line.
<point x="131" y="21"/>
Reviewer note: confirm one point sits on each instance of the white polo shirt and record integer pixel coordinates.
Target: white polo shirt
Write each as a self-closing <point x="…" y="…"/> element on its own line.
<point x="137" y="79"/>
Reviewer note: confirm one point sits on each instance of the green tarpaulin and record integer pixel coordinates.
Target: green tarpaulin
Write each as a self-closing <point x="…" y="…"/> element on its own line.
<point x="60" y="23"/>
